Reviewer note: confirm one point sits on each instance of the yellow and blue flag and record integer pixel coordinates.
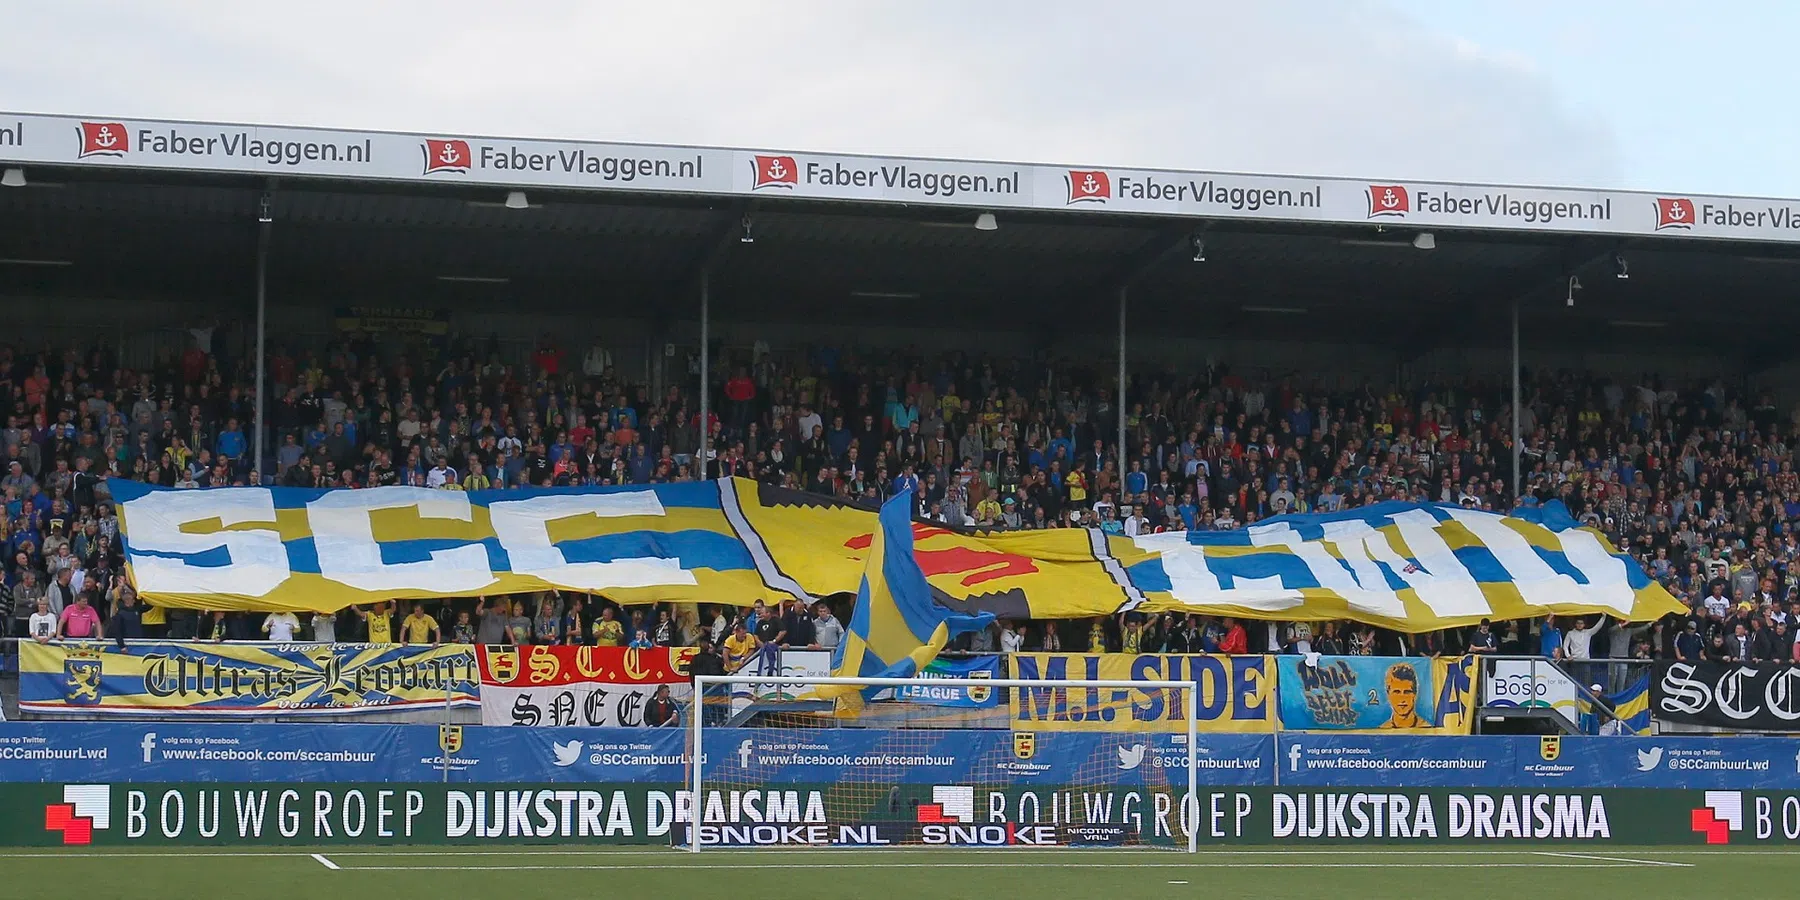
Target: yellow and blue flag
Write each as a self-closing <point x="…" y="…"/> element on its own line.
<point x="897" y="628"/>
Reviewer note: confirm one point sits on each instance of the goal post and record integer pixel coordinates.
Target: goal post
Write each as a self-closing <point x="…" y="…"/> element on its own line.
<point x="952" y="762"/>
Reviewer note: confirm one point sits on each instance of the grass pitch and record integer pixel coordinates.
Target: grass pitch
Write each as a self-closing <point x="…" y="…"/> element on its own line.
<point x="1377" y="873"/>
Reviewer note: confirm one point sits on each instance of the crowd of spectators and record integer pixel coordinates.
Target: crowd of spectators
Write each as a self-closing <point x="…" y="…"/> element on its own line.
<point x="1695" y="480"/>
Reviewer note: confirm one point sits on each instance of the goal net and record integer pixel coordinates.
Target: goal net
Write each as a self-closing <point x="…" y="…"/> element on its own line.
<point x="948" y="762"/>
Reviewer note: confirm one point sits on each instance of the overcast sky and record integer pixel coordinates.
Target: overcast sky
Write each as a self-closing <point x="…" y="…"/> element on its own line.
<point x="1607" y="93"/>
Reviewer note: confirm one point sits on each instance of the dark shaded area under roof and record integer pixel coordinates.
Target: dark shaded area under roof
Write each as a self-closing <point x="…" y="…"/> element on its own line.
<point x="132" y="234"/>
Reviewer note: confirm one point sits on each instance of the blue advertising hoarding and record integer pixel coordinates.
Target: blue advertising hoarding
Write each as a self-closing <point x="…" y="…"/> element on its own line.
<point x="166" y="752"/>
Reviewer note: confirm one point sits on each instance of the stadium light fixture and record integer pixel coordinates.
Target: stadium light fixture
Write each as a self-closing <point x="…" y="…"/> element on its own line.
<point x="745" y="237"/>
<point x="14" y="177"/>
<point x="1574" y="285"/>
<point x="474" y="279"/>
<point x="1199" y="248"/>
<point x="36" y="262"/>
<point x="1621" y="270"/>
<point x="516" y="200"/>
<point x="1277" y="310"/>
<point x="1636" y="323"/>
<point x="986" y="222"/>
<point x="1425" y="241"/>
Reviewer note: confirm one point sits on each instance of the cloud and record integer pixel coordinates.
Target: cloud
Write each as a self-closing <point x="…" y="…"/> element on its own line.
<point x="1329" y="87"/>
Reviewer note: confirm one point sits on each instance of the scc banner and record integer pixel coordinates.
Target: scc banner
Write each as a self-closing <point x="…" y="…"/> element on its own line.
<point x="248" y="679"/>
<point x="1377" y="693"/>
<point x="558" y="685"/>
<point x="1746" y="696"/>
<point x="734" y="540"/>
<point x="1235" y="694"/>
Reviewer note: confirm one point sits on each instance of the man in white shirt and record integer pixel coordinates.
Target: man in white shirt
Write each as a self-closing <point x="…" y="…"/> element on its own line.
<point x="440" y="475"/>
<point x="280" y="626"/>
<point x="1012" y="640"/>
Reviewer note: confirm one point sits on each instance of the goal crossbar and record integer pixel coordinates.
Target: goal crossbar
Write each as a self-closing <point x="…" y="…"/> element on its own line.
<point x="1192" y="705"/>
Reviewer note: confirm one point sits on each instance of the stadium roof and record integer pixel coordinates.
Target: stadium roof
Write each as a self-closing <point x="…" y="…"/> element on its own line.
<point x="1337" y="262"/>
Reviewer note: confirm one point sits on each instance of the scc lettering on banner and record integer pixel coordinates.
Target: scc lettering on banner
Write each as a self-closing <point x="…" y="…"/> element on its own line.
<point x="1750" y="696"/>
<point x="1235" y="694"/>
<point x="557" y="685"/>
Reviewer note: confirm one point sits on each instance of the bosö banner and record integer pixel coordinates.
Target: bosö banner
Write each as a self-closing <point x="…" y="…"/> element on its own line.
<point x="247" y="679"/>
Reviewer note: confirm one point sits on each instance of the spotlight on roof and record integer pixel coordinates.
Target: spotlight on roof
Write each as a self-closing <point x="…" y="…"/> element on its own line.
<point x="746" y="237"/>
<point x="1425" y="241"/>
<point x="1621" y="270"/>
<point x="1199" y="248"/>
<point x="1574" y="285"/>
<point x="986" y="222"/>
<point x="516" y="200"/>
<point x="14" y="177"/>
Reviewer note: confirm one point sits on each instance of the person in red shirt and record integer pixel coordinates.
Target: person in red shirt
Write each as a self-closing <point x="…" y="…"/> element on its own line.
<point x="547" y="359"/>
<point x="1235" y="640"/>
<point x="81" y="621"/>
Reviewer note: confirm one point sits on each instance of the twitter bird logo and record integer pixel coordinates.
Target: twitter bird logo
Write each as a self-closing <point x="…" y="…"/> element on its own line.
<point x="566" y="754"/>
<point x="1649" y="759"/>
<point x="1131" y="757"/>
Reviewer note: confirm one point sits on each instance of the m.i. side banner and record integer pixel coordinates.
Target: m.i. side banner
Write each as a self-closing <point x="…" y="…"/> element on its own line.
<point x="250" y="679"/>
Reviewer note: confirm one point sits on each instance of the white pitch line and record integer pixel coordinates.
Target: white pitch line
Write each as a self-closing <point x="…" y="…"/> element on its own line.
<point x="1623" y="859"/>
<point x="923" y="865"/>
<point x="325" y="862"/>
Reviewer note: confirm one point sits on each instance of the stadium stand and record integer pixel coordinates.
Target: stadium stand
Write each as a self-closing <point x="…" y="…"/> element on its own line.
<point x="1696" y="479"/>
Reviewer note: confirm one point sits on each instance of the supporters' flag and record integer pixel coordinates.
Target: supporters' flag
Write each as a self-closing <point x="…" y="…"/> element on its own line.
<point x="1632" y="705"/>
<point x="897" y="628"/>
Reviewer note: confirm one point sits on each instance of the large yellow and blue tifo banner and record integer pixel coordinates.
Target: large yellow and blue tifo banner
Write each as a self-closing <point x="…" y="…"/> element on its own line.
<point x="244" y="679"/>
<point x="1410" y="567"/>
<point x="1377" y="693"/>
<point x="1232" y="693"/>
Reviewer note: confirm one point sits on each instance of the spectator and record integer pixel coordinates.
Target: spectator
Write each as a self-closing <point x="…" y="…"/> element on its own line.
<point x="80" y="621"/>
<point x="740" y="646"/>
<point x="281" y="626"/>
<point x="608" y="631"/>
<point x="41" y="626"/>
<point x="419" y="628"/>
<point x="661" y="711"/>
<point x="827" y="631"/>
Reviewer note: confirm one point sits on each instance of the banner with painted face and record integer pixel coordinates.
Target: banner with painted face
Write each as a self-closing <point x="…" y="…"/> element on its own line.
<point x="1377" y="693"/>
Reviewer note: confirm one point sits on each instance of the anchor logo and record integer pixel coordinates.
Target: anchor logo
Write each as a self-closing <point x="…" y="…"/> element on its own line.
<point x="1088" y="186"/>
<point x="446" y="155"/>
<point x="103" y="139"/>
<point x="1674" y="212"/>
<point x="774" y="172"/>
<point x="1389" y="200"/>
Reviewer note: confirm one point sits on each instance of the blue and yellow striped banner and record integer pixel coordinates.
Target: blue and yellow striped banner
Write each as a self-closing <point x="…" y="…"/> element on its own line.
<point x="1410" y="567"/>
